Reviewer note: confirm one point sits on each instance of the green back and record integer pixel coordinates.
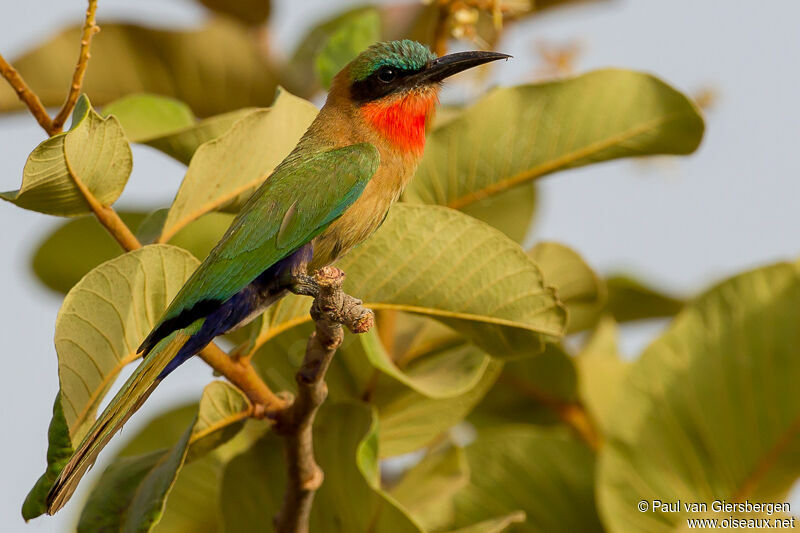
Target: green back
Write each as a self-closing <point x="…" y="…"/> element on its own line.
<point x="296" y="203"/>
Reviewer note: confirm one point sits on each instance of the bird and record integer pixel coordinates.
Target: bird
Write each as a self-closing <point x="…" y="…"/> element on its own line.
<point x="328" y="195"/>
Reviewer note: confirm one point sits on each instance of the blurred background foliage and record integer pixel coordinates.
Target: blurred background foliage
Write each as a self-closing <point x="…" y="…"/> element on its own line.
<point x="520" y="413"/>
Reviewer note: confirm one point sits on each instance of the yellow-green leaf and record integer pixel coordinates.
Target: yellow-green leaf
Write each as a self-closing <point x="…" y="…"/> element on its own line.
<point x="213" y="69"/>
<point x="144" y="116"/>
<point x="630" y="299"/>
<point x="711" y="410"/>
<point x="509" y="211"/>
<point x="441" y="263"/>
<point x="426" y="490"/>
<point x="578" y="287"/>
<point x="105" y="317"/>
<point x="132" y="492"/>
<point x="74" y="248"/>
<point x="518" y="134"/>
<point x="79" y="245"/>
<point x="601" y="372"/>
<point x="349" y="39"/>
<point x="444" y="374"/>
<point x="168" y="124"/>
<point x="91" y="160"/>
<point x="350" y="499"/>
<point x="544" y="473"/>
<point x="224" y="172"/>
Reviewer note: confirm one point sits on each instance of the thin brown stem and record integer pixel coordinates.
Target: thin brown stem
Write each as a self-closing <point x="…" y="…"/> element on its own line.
<point x="244" y="376"/>
<point x="331" y="309"/>
<point x="89" y="29"/>
<point x="26" y="95"/>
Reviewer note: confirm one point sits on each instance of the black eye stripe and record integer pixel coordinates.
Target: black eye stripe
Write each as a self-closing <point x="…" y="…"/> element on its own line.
<point x="374" y="87"/>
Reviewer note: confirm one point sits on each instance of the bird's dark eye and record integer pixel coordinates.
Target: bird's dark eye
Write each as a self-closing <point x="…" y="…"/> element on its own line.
<point x="387" y="74"/>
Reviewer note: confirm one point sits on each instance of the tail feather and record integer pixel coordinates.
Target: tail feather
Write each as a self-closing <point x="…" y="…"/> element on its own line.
<point x="130" y="397"/>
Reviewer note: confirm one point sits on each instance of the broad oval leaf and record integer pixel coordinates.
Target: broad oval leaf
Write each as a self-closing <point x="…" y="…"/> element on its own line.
<point x="542" y="472"/>
<point x="631" y="299"/>
<point x="76" y="247"/>
<point x="426" y="490"/>
<point x="213" y="69"/>
<point x="89" y="163"/>
<point x="105" y="317"/>
<point x="581" y="290"/>
<point x="509" y="211"/>
<point x="441" y="263"/>
<point x="710" y="411"/>
<point x="439" y="375"/>
<point x="224" y="172"/>
<point x="79" y="245"/>
<point x="144" y="116"/>
<point x="168" y="124"/>
<point x="254" y="482"/>
<point x="132" y="492"/>
<point x="601" y="372"/>
<point x="408" y="419"/>
<point x="535" y="390"/>
<point x="349" y="39"/>
<point x="518" y="134"/>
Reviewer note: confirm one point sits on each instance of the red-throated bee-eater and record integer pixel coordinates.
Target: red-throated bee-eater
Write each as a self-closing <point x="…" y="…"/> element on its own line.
<point x="327" y="196"/>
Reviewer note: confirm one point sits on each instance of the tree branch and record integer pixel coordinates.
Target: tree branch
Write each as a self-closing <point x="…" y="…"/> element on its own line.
<point x="25" y="94"/>
<point x="89" y="29"/>
<point x="331" y="308"/>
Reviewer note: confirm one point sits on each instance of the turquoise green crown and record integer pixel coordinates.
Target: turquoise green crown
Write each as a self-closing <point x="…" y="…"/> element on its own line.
<point x="405" y="54"/>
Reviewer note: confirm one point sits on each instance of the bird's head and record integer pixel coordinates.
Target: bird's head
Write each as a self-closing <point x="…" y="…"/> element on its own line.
<point x="395" y="86"/>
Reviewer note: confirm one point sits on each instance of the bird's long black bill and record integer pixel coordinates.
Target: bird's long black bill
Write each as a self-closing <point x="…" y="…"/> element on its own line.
<point x="445" y="66"/>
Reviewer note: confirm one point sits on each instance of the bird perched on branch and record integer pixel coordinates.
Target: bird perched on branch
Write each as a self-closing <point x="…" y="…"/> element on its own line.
<point x="329" y="194"/>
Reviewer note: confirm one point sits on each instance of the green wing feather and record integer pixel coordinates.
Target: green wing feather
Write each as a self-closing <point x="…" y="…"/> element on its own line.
<point x="301" y="198"/>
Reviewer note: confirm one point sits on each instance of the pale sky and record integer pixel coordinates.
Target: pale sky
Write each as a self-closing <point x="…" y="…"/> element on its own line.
<point x="682" y="223"/>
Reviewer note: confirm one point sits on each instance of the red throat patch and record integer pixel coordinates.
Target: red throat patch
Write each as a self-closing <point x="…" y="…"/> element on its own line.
<point x="402" y="119"/>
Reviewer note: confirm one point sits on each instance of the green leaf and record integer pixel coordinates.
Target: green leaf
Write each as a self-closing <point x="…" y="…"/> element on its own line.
<point x="601" y="372"/>
<point x="440" y="263"/>
<point x="168" y="124"/>
<point x="532" y="390"/>
<point x="445" y="374"/>
<point x="251" y="12"/>
<point x="410" y="420"/>
<point x="132" y="492"/>
<point x="77" y="246"/>
<point x="254" y="482"/>
<point x="224" y="172"/>
<point x="92" y="159"/>
<point x="510" y="211"/>
<point x="542" y="472"/>
<point x="74" y="248"/>
<point x="59" y="451"/>
<point x="350" y="38"/>
<point x="300" y="73"/>
<point x="429" y="486"/>
<point x="214" y="69"/>
<point x="581" y="290"/>
<point x="710" y="411"/>
<point x="630" y="299"/>
<point x="105" y="317"/>
<point x="145" y="116"/>
<point x="183" y="143"/>
<point x="515" y="135"/>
